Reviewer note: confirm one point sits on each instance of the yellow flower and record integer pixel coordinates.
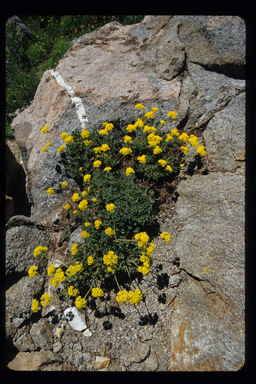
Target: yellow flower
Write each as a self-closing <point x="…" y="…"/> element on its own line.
<point x="125" y="151"/>
<point x="69" y="140"/>
<point x="140" y="122"/>
<point x="44" y="149"/>
<point x="84" y="193"/>
<point x="108" y="126"/>
<point x="122" y="296"/>
<point x="168" y="138"/>
<point x="166" y="236"/>
<point x="144" y="270"/>
<point x="51" y="270"/>
<point x="110" y="260"/>
<point x="61" y="148"/>
<point x="76" y="197"/>
<point x="39" y="250"/>
<point x="35" y="305"/>
<point x="87" y="224"/>
<point x="49" y="191"/>
<point x="32" y="271"/>
<point x="45" y="299"/>
<point x="64" y="184"/>
<point x="175" y="132"/>
<point x="142" y="239"/>
<point x="131" y="127"/>
<point x="87" y="177"/>
<point x="193" y="141"/>
<point x="182" y="165"/>
<point x="74" y="249"/>
<point x="135" y="297"/>
<point x="96" y="163"/>
<point x="162" y="122"/>
<point x="142" y="159"/>
<point x="109" y="231"/>
<point x="149" y="129"/>
<point x="107" y="169"/>
<point x="154" y="140"/>
<point x="150" y="115"/>
<point x="127" y="139"/>
<point x="90" y="260"/>
<point x="172" y="114"/>
<point x="162" y="162"/>
<point x="64" y="135"/>
<point x="73" y="269"/>
<point x="72" y="291"/>
<point x="87" y="142"/>
<point x="139" y="106"/>
<point x="201" y="150"/>
<point x="105" y="147"/>
<point x="80" y="302"/>
<point x="48" y="144"/>
<point x="85" y="234"/>
<point x="97" y="292"/>
<point x="85" y="134"/>
<point x="184" y="149"/>
<point x="97" y="224"/>
<point x="157" y="150"/>
<point x="75" y="212"/>
<point x="169" y="168"/>
<point x="128" y="171"/>
<point x="103" y="132"/>
<point x="110" y="207"/>
<point x="184" y="137"/>
<point x="83" y="205"/>
<point x="67" y="206"/>
<point x="44" y="129"/>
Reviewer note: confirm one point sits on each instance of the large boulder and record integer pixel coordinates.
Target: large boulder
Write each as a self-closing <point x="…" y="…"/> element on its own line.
<point x="195" y="65"/>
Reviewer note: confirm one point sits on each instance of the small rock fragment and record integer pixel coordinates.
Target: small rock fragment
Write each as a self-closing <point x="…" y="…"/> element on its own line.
<point x="101" y="362"/>
<point x="75" y="318"/>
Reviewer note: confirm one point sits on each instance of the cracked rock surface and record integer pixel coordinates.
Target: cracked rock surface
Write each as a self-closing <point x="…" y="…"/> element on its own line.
<point x="193" y="318"/>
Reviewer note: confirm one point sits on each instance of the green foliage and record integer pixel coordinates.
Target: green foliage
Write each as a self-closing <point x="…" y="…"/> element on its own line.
<point x="29" y="54"/>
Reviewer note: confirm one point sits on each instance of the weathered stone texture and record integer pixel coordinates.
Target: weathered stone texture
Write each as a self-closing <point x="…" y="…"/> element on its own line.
<point x="195" y="322"/>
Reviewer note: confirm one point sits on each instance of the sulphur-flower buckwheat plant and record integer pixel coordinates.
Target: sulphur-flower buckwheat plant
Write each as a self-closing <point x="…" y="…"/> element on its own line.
<point x="119" y="174"/>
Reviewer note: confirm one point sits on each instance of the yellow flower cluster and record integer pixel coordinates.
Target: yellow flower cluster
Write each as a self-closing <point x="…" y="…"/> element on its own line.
<point x="45" y="299"/>
<point x="74" y="249"/>
<point x="129" y="171"/>
<point x="83" y="205"/>
<point x="97" y="292"/>
<point x="72" y="291"/>
<point x="166" y="236"/>
<point x="50" y="191"/>
<point x="35" y="305"/>
<point x="133" y="297"/>
<point x="97" y="224"/>
<point x="110" y="259"/>
<point x="107" y="128"/>
<point x="145" y="259"/>
<point x="80" y="302"/>
<point x="90" y="260"/>
<point x="59" y="277"/>
<point x="142" y="239"/>
<point x="109" y="231"/>
<point x="73" y="269"/>
<point x="40" y="250"/>
<point x="125" y="151"/>
<point x="110" y="207"/>
<point x="32" y="271"/>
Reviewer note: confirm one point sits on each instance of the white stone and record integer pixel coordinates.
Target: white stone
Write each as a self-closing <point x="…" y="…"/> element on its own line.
<point x="87" y="333"/>
<point x="78" y="322"/>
